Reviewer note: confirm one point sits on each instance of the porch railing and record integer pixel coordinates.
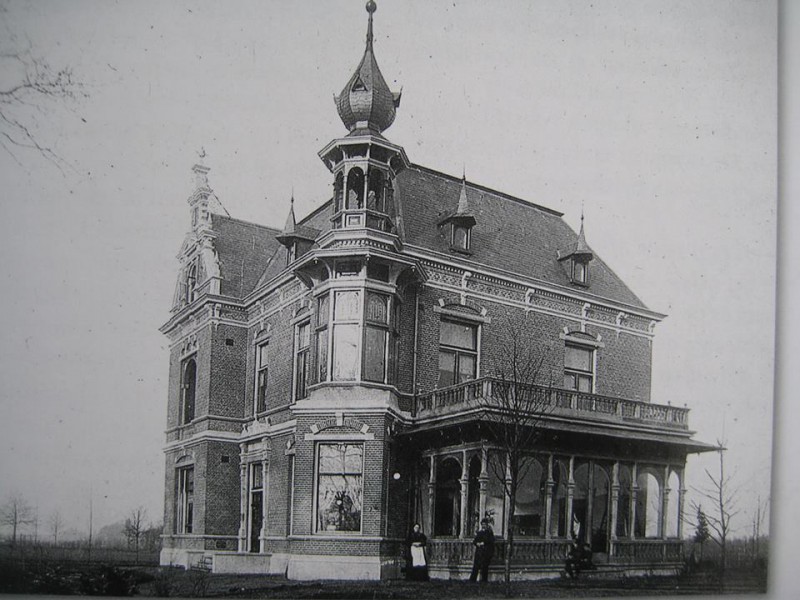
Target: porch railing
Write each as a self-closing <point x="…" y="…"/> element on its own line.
<point x="493" y="392"/>
<point x="644" y="551"/>
<point x="443" y="552"/>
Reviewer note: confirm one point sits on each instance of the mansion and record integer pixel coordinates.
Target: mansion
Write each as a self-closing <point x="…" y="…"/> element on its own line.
<point x="337" y="381"/>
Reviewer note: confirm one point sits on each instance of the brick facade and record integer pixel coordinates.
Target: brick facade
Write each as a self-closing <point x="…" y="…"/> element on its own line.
<point x="510" y="286"/>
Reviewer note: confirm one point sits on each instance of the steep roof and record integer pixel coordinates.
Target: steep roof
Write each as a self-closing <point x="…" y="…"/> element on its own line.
<point x="244" y="249"/>
<point x="510" y="234"/>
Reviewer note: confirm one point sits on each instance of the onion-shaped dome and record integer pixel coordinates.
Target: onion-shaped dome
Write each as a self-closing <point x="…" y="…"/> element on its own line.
<point x="366" y="102"/>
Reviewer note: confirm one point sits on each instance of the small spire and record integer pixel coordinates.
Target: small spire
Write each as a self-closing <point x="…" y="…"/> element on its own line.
<point x="463" y="204"/>
<point x="581" y="247"/>
<point x="291" y="223"/>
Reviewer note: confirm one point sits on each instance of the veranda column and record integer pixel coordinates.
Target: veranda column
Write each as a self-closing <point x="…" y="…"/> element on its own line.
<point x="431" y="496"/>
<point x="507" y="497"/>
<point x="614" y="506"/>
<point x="681" y="498"/>
<point x="483" y="483"/>
<point x="634" y="491"/>
<point x="589" y="516"/>
<point x="548" y="498"/>
<point x="570" y="492"/>
<point x="462" y="530"/>
<point x="243" y="508"/>
<point x="262" y="535"/>
<point x="662" y="521"/>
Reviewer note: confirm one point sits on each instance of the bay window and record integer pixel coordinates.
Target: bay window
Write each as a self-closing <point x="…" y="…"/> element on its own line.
<point x="357" y="336"/>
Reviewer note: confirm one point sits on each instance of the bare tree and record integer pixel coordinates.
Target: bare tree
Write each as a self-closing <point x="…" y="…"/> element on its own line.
<point x="56" y="524"/>
<point x="135" y="528"/>
<point x="721" y="491"/>
<point x="30" y="88"/>
<point x="15" y="513"/>
<point x="520" y="398"/>
<point x="758" y="521"/>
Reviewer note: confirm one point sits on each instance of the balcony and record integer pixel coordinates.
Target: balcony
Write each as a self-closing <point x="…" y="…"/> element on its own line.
<point x="489" y="392"/>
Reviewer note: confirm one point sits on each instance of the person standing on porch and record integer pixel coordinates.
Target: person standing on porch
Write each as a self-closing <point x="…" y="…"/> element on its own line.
<point x="416" y="559"/>
<point x="484" y="549"/>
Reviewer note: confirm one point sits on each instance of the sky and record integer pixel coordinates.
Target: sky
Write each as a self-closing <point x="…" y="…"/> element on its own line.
<point x="656" y="119"/>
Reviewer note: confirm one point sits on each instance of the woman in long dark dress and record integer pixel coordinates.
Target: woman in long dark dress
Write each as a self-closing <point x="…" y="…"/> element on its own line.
<point x="416" y="556"/>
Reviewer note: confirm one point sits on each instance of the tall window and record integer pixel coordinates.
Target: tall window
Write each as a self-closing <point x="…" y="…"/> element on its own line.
<point x="191" y="283"/>
<point x="256" y="506"/>
<point x="339" y="487"/>
<point x="579" y="368"/>
<point x="580" y="272"/>
<point x="458" y="352"/>
<point x="262" y="376"/>
<point x="346" y="333"/>
<point x="188" y="386"/>
<point x="184" y="500"/>
<point x="302" y="341"/>
<point x="376" y="336"/>
<point x="323" y="316"/>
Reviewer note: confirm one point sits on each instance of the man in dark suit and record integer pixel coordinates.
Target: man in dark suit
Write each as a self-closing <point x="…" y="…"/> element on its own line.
<point x="484" y="549"/>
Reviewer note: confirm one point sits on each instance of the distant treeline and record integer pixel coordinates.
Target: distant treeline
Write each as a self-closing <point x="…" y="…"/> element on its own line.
<point x="78" y="552"/>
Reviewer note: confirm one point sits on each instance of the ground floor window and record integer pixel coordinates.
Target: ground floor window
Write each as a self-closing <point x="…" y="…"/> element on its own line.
<point x="339" y="487"/>
<point x="184" y="513"/>
<point x="256" y="506"/>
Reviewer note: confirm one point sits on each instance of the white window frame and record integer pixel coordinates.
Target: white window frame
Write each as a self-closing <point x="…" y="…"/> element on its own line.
<point x="259" y="344"/>
<point x="184" y="520"/>
<point x="305" y="321"/>
<point x="315" y="504"/>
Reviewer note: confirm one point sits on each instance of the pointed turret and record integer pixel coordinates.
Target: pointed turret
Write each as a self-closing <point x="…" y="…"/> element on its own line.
<point x="577" y="258"/>
<point x="291" y="223"/>
<point x="461" y="221"/>
<point x="296" y="238"/>
<point x="366" y="104"/>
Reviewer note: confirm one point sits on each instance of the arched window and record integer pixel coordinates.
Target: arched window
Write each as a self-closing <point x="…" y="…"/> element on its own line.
<point x="188" y="385"/>
<point x="648" y="506"/>
<point x="191" y="283"/>
<point x="338" y="192"/>
<point x="355" y="188"/>
<point x="375" y="194"/>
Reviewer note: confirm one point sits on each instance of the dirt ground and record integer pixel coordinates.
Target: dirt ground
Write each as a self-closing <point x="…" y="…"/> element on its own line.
<point x="198" y="584"/>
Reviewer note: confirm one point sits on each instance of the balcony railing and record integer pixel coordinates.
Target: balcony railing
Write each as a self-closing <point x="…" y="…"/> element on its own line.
<point x="490" y="392"/>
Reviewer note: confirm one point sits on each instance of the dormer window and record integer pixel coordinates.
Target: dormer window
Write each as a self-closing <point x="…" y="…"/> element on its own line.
<point x="580" y="272"/>
<point x="460" y="237"/>
<point x="461" y="223"/>
<point x="358" y="85"/>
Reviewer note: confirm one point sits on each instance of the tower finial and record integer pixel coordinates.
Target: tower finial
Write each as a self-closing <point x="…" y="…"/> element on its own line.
<point x="366" y="102"/>
<point x="371" y="8"/>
